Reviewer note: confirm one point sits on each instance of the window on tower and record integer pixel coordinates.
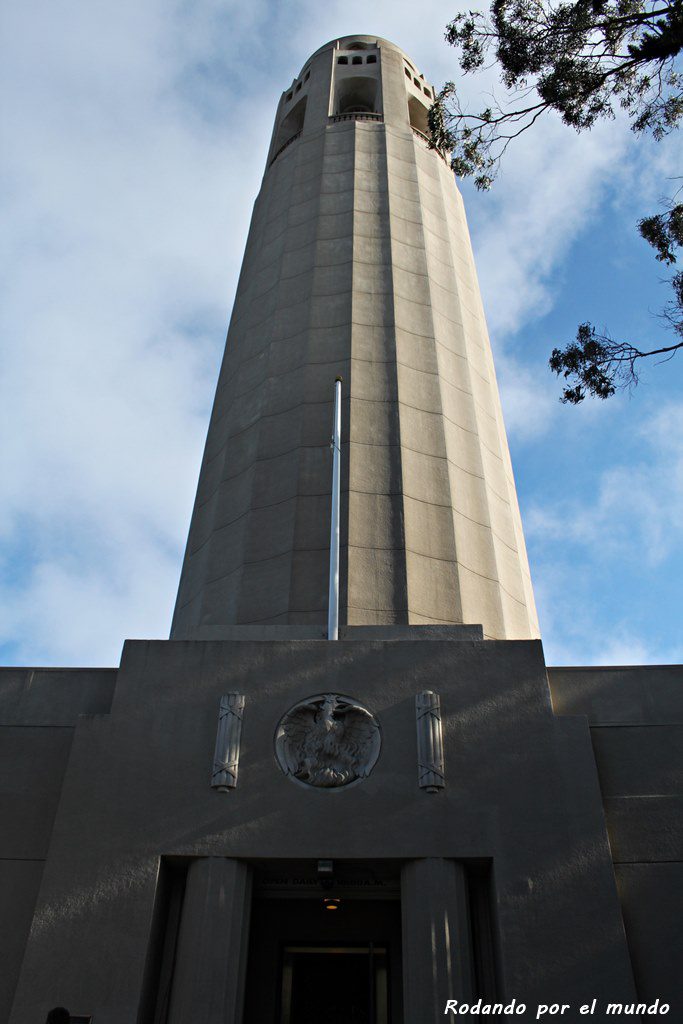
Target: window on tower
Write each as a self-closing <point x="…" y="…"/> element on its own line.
<point x="356" y="95"/>
<point x="418" y="116"/>
<point x="291" y="125"/>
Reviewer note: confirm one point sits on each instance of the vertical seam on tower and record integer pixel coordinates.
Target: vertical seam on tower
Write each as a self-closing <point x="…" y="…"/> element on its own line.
<point x="492" y="539"/>
<point x="249" y="523"/>
<point x="204" y="557"/>
<point x="311" y="341"/>
<point x="399" y="552"/>
<point x="515" y="514"/>
<point x="457" y="611"/>
<point x="269" y="329"/>
<point x="385" y="135"/>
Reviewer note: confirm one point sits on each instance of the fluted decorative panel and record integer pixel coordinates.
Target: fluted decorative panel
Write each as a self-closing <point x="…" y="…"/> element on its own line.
<point x="431" y="771"/>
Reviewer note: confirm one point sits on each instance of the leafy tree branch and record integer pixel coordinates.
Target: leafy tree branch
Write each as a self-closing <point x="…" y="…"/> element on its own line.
<point x="584" y="60"/>
<point x="597" y="365"/>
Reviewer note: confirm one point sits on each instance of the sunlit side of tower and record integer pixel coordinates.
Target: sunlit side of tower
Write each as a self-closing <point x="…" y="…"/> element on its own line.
<point x="358" y="263"/>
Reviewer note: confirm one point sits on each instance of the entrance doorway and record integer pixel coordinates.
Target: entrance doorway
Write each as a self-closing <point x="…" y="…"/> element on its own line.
<point x="324" y="951"/>
<point x="339" y="984"/>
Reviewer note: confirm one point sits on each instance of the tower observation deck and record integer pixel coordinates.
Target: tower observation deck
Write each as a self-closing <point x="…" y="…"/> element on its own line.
<point x="359" y="264"/>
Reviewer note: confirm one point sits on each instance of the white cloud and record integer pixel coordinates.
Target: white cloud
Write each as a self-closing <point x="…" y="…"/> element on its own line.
<point x="548" y="190"/>
<point x="122" y="242"/>
<point x="604" y="562"/>
<point x="529" y="404"/>
<point x="625" y="649"/>
<point x="634" y="513"/>
<point x="624" y="643"/>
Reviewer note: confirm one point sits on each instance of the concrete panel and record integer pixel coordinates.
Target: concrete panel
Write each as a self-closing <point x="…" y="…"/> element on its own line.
<point x="377" y="580"/>
<point x="372" y="278"/>
<point x="378" y="520"/>
<point x="425" y="429"/>
<point x="476" y="500"/>
<point x="425" y="477"/>
<point x="373" y="344"/>
<point x="639" y="760"/>
<point x="516" y="610"/>
<point x="265" y="588"/>
<point x="433" y="588"/>
<point x="374" y="468"/>
<point x="372" y="422"/>
<point x="312" y="522"/>
<point x="648" y="694"/>
<point x="233" y="497"/>
<point x="429" y="529"/>
<point x="54" y="696"/>
<point x="435" y="912"/>
<point x="219" y="598"/>
<point x="211" y="958"/>
<point x="413" y="354"/>
<point x="478" y="593"/>
<point x="652" y="899"/>
<point x="474" y="542"/>
<point x="226" y="553"/>
<point x="314" y="465"/>
<point x="376" y="382"/>
<point x="32" y="764"/>
<point x="310" y="579"/>
<point x="271" y="532"/>
<point x="19" y="883"/>
<point x="645" y="828"/>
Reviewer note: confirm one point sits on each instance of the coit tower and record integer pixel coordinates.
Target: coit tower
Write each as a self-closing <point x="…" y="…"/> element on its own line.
<point x="255" y="826"/>
<point x="358" y="264"/>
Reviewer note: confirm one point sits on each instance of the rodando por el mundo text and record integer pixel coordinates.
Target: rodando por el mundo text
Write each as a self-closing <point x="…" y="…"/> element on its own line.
<point x="546" y="1011"/>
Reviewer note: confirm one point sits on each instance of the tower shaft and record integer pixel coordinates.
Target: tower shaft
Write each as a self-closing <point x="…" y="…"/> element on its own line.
<point x="358" y="264"/>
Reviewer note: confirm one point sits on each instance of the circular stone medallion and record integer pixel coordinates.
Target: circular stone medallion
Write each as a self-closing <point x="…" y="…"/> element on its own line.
<point x="327" y="741"/>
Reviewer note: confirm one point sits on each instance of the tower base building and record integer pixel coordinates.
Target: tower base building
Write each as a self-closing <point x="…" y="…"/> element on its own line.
<point x="252" y="824"/>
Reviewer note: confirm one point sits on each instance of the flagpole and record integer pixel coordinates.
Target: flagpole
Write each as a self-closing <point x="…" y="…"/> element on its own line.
<point x="333" y="599"/>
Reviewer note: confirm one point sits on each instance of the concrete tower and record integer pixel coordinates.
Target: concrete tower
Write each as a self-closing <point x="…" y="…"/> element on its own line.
<point x="358" y="263"/>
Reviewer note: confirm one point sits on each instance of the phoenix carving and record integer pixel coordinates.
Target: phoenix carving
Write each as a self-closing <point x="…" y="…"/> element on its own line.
<point x="328" y="741"/>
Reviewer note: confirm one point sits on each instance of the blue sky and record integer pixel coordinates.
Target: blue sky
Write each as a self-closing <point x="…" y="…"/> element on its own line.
<point x="135" y="140"/>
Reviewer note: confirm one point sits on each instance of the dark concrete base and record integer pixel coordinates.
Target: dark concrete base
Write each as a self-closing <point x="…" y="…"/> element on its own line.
<point x="522" y="799"/>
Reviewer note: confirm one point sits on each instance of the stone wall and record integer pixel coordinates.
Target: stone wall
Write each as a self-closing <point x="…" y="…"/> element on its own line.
<point x="39" y="710"/>
<point x="137" y="786"/>
<point x="635" y="715"/>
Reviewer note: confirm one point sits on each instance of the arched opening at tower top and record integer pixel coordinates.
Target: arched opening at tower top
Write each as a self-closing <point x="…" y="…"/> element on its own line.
<point x="417" y="112"/>
<point x="356" y="95"/>
<point x="291" y="125"/>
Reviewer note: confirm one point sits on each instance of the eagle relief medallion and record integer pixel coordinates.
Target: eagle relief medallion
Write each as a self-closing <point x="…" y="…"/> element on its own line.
<point x="327" y="741"/>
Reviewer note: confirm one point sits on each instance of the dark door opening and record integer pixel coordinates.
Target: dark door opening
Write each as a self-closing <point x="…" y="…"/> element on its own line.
<point x="324" y="952"/>
<point x="337" y="984"/>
